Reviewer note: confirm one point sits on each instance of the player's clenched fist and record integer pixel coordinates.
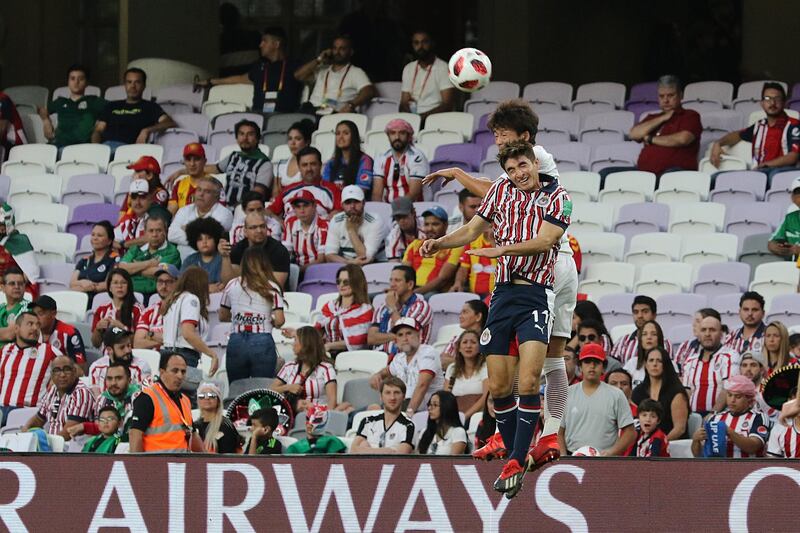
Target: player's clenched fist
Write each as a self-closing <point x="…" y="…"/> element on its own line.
<point x="429" y="248"/>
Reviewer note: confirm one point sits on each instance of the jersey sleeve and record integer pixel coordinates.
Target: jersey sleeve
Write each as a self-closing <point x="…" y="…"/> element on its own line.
<point x="277" y="298"/>
<point x="334" y="237"/>
<point x="190" y="309"/>
<point x="693" y="124"/>
<point x="75" y="347"/>
<point x="225" y="301"/>
<point x="455" y="256"/>
<point x="793" y="139"/>
<point x="487" y="208"/>
<point x="365" y="171"/>
<point x="361" y="425"/>
<point x="774" y="447"/>
<point x="265" y="174"/>
<point x="360" y="78"/>
<point x="747" y="133"/>
<point x="409" y="438"/>
<point x="430" y="363"/>
<point x="81" y="407"/>
<point x="418" y="166"/>
<point x="559" y="210"/>
<point x="759" y="428"/>
<point x="379" y="165"/>
<point x="405" y="85"/>
<point x="222" y="164"/>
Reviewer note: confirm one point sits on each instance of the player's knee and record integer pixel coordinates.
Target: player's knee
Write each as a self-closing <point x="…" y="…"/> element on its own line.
<point x="529" y="384"/>
<point x="499" y="389"/>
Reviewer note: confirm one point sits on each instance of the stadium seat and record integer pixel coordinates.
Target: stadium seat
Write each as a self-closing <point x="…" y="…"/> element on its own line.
<point x="44" y="186"/>
<point x="365" y="361"/>
<point x="755" y="252"/>
<point x="319" y="279"/>
<point x="784" y="308"/>
<point x="117" y="92"/>
<point x="642" y="110"/>
<point x="241" y="93"/>
<point x="677" y="335"/>
<point x="329" y="122"/>
<point x="678" y="309"/>
<point x="601" y="247"/>
<point x="28" y="97"/>
<point x="298" y="306"/>
<point x="744" y="185"/>
<point x="560" y="122"/>
<point x="429" y="139"/>
<point x="759" y="114"/>
<point x="643" y="93"/>
<point x="598" y="97"/>
<point x="377" y="275"/>
<point x="52" y="219"/>
<point x="752" y="218"/>
<point x="379" y="106"/>
<point x="571" y="156"/>
<point x="699" y="249"/>
<point x="43" y="155"/>
<point x="64" y="92"/>
<point x="446" y="307"/>
<point x="479" y="108"/>
<point x="71" y="305"/>
<point x="176" y="137"/>
<point x="728" y="163"/>
<point x="623" y="154"/>
<point x="607" y="278"/>
<point x="634" y="219"/>
<point x="325" y="142"/>
<point x="229" y="120"/>
<point x="455" y="121"/>
<point x="683" y="186"/>
<point x="85" y="216"/>
<point x="151" y="357"/>
<point x="656" y="279"/>
<point x="53" y="247"/>
<point x="606" y="128"/>
<point x="462" y="155"/>
<point x="5" y="184"/>
<point x="128" y="153"/>
<point x="714" y="279"/>
<point x="281" y="122"/>
<point x="780" y="189"/>
<point x="389" y="89"/>
<point x="180" y="94"/>
<point x="582" y="186"/>
<point x="214" y="109"/>
<point x="279" y="153"/>
<point x="445" y="334"/>
<point x="772" y="279"/>
<point x="548" y="95"/>
<point x="547" y="138"/>
<point x="196" y="122"/>
<point x="717" y="92"/>
<point x="83" y="159"/>
<point x="649" y="248"/>
<point x="629" y="187"/>
<point x="691" y="218"/>
<point x="496" y="90"/>
<point x="616" y="309"/>
<point x="447" y="196"/>
<point x="728" y="307"/>
<point x="591" y="217"/>
<point x="55" y="277"/>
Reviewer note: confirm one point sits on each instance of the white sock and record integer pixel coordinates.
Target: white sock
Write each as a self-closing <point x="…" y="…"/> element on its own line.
<point x="555" y="395"/>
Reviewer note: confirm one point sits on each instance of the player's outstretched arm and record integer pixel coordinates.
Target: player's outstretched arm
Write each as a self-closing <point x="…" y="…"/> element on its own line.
<point x="479" y="186"/>
<point x="460" y="237"/>
<point x="549" y="235"/>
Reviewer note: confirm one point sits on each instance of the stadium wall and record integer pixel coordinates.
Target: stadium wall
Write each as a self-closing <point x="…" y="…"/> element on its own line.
<point x="210" y="493"/>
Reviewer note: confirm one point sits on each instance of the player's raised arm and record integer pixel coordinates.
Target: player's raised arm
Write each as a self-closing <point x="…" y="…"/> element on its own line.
<point x="479" y="186"/>
<point x="549" y="235"/>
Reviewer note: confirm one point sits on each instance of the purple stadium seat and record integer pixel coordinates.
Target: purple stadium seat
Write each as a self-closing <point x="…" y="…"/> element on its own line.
<point x="84" y="217"/>
<point x="780" y="188"/>
<point x="446" y="307"/>
<point x="616" y="309"/>
<point x="561" y="121"/>
<point x="677" y="309"/>
<point x="319" y="279"/>
<point x="785" y="308"/>
<point x="84" y="248"/>
<point x="480" y="124"/>
<point x="640" y="110"/>
<point x="88" y="188"/>
<point x="549" y="138"/>
<point x="721" y="121"/>
<point x="606" y="128"/>
<point x="633" y="219"/>
<point x="55" y="277"/>
<point x="743" y="183"/>
<point x="498" y="91"/>
<point x="479" y="108"/>
<point x="754" y="250"/>
<point x="196" y="122"/>
<point x="380" y="106"/>
<point x="679" y="334"/>
<point x="483" y="139"/>
<point x="715" y="279"/>
<point x="456" y="155"/>
<point x="623" y="154"/>
<point x="751" y="218"/>
<point x="643" y="93"/>
<point x="598" y="97"/>
<point x="707" y="92"/>
<point x="174" y="137"/>
<point x="221" y="138"/>
<point x="571" y="156"/>
<point x="377" y="275"/>
<point x="548" y="96"/>
<point x="728" y="307"/>
<point x="227" y="121"/>
<point x="180" y="94"/>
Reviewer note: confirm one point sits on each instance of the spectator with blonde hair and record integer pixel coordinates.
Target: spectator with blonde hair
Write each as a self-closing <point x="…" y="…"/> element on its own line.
<point x="775" y="348"/>
<point x="217" y="431"/>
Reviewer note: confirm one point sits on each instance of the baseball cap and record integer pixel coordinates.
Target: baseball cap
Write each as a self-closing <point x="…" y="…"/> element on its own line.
<point x="436" y="211"/>
<point x="401" y="206"/>
<point x="195" y="149"/>
<point x="45" y="302"/>
<point x="303" y="196"/>
<point x="405" y="322"/>
<point x="795" y="184"/>
<point x="139" y="187"/>
<point x="172" y="270"/>
<point x="146" y="162"/>
<point x="352" y="192"/>
<point x="592" y="351"/>
<point x="114" y="335"/>
<point x="758" y="357"/>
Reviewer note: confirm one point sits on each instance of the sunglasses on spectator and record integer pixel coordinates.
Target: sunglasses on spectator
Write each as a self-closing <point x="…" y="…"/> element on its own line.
<point x="344" y="282"/>
<point x="206" y="396"/>
<point x="107" y="419"/>
<point x="62" y="370"/>
<point x="591" y="337"/>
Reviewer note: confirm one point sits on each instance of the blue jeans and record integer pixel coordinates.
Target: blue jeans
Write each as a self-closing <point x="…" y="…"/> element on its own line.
<point x="250" y="355"/>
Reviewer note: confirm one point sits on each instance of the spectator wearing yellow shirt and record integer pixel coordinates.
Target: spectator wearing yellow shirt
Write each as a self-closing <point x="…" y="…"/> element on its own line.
<point x="477" y="272"/>
<point x="194" y="161"/>
<point x="434" y="274"/>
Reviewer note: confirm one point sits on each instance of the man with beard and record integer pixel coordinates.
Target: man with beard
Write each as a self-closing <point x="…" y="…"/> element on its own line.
<point x="399" y="171"/>
<point x="706" y="371"/>
<point x="426" y="86"/>
<point x="775" y="138"/>
<point x="119" y="345"/>
<point x="339" y="86"/>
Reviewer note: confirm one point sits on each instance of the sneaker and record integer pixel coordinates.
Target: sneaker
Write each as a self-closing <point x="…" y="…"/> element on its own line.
<point x="493" y="448"/>
<point x="545" y="451"/>
<point x="510" y="480"/>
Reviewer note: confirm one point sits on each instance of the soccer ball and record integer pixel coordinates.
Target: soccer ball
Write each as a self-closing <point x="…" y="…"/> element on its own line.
<point x="586" y="451"/>
<point x="469" y="69"/>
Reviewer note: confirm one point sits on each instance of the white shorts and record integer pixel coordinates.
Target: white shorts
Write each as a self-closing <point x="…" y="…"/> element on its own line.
<point x="566" y="292"/>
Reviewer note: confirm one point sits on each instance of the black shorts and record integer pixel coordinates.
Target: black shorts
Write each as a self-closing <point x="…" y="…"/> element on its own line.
<point x="524" y="311"/>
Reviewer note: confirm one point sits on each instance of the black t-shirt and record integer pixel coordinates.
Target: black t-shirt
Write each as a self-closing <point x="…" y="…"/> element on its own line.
<point x="144" y="410"/>
<point x="270" y="446"/>
<point x="96" y="271"/>
<point x="125" y="121"/>
<point x="228" y="442"/>
<point x="278" y="254"/>
<point x="288" y="92"/>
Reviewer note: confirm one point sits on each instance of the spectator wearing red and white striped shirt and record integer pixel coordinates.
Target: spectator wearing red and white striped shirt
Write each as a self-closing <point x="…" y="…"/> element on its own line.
<point x="692" y="346"/>
<point x="346" y="320"/>
<point x="64" y="337"/>
<point x="327" y="196"/>
<point x="399" y="170"/>
<point x="25" y="366"/>
<point x="747" y="430"/>
<point x="784" y="440"/>
<point x="253" y="202"/>
<point x="149" y="331"/>
<point x="119" y="347"/>
<point x="311" y="377"/>
<point x="123" y="311"/>
<point x="401" y="301"/>
<point x="305" y="233"/>
<point x="643" y="309"/>
<point x="749" y="337"/>
<point x="253" y="303"/>
<point x="67" y="403"/>
<point x="405" y="229"/>
<point x="705" y="373"/>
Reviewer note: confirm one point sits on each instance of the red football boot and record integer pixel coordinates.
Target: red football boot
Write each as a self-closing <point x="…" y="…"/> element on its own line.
<point x="545" y="451"/>
<point x="510" y="480"/>
<point x="494" y="448"/>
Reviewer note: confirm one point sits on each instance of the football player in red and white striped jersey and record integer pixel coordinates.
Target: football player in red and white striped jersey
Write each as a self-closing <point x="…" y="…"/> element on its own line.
<point x="25" y="365"/>
<point x="705" y="373"/>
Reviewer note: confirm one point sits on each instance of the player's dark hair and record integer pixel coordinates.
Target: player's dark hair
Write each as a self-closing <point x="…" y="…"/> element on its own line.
<point x="136" y="70"/>
<point x="204" y="226"/>
<point x="641" y="299"/>
<point x="709" y="312"/>
<point x="23" y="314"/>
<point x="393" y="381"/>
<point x="488" y="423"/>
<point x="794" y="340"/>
<point x="109" y="229"/>
<point x="651" y="406"/>
<point x="252" y="196"/>
<point x="463" y="194"/>
<point x="514" y="150"/>
<point x="774" y="86"/>
<point x="515" y="115"/>
<point x="752" y="295"/>
<point x="309" y="150"/>
<point x="79" y="68"/>
<point x="267" y="417"/>
<point x="408" y="273"/>
<point x="344" y="37"/>
<point x="248" y="123"/>
<point x="448" y="418"/>
<point x="166" y="355"/>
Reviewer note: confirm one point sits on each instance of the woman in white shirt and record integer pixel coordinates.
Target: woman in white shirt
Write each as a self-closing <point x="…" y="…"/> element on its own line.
<point x="468" y="377"/>
<point x="311" y="377"/>
<point x="288" y="171"/>
<point x="473" y="316"/>
<point x="185" y="313"/>
<point x="253" y="304"/>
<point x="445" y="435"/>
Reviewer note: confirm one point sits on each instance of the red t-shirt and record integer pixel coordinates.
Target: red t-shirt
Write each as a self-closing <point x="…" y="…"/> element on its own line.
<point x="657" y="159"/>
